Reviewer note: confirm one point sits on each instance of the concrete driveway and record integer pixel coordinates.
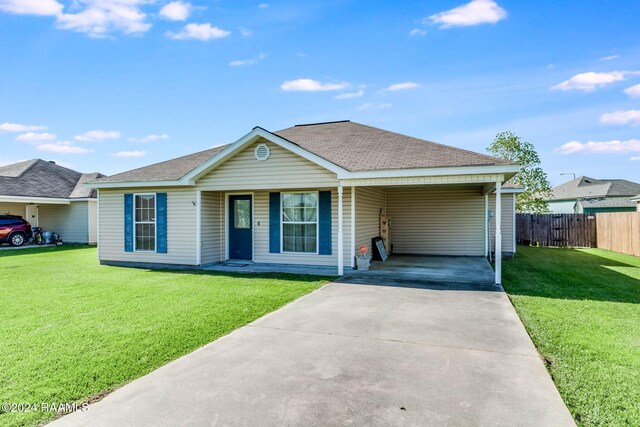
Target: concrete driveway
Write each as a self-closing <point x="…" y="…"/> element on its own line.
<point x="354" y="354"/>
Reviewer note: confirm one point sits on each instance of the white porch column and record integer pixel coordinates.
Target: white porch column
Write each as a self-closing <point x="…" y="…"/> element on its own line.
<point x="353" y="226"/>
<point x="198" y="227"/>
<point x="340" y="233"/>
<point x="498" y="244"/>
<point x="486" y="225"/>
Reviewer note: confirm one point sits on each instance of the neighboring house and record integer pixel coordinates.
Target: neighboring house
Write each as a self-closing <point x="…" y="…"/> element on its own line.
<point x="589" y="195"/>
<point x="636" y="199"/>
<point x="51" y="197"/>
<point x="307" y="195"/>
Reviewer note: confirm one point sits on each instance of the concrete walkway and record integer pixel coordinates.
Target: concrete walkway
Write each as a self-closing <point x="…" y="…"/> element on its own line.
<point x="354" y="354"/>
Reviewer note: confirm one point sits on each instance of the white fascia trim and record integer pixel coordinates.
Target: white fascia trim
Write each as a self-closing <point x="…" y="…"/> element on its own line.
<point x="42" y="200"/>
<point x="246" y="140"/>
<point x="511" y="191"/>
<point x="461" y="170"/>
<point x="135" y="184"/>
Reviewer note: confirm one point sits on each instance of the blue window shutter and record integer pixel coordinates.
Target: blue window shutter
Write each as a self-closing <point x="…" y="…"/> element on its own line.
<point x="161" y="222"/>
<point x="128" y="222"/>
<point x="324" y="223"/>
<point x="274" y="223"/>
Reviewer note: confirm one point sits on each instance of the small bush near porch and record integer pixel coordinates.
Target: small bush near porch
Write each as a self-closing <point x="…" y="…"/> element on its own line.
<point x="73" y="330"/>
<point x="582" y="310"/>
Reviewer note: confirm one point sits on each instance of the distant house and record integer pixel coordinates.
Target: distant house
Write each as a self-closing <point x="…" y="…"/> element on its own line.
<point x="51" y="197"/>
<point x="636" y="200"/>
<point x="590" y="195"/>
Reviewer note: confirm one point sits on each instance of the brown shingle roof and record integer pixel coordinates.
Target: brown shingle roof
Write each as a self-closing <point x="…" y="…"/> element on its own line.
<point x="165" y="171"/>
<point x="357" y="147"/>
<point x="352" y="146"/>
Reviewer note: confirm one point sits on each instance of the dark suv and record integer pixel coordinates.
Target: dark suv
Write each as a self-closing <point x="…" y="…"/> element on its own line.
<point x="14" y="230"/>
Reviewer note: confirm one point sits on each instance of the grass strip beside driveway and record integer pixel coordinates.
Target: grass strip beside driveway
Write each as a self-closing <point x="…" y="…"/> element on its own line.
<point x="582" y="310"/>
<point x="72" y="329"/>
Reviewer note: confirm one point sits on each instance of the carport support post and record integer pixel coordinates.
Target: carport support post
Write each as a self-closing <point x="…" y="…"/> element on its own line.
<point x="498" y="243"/>
<point x="340" y="233"/>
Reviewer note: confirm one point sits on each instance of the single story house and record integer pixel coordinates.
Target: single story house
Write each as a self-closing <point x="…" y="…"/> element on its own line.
<point x="308" y="195"/>
<point x="51" y="197"/>
<point x="590" y="195"/>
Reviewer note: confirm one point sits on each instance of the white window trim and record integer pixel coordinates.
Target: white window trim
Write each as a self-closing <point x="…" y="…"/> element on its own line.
<point x="317" y="223"/>
<point x="155" y="222"/>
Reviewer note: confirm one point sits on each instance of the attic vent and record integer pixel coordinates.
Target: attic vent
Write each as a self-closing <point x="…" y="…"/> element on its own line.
<point x="262" y="152"/>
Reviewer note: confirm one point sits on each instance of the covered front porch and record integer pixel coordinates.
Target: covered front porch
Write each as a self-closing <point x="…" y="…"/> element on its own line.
<point x="397" y="268"/>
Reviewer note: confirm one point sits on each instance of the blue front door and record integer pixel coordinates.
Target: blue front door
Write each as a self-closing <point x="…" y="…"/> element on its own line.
<point x="240" y="227"/>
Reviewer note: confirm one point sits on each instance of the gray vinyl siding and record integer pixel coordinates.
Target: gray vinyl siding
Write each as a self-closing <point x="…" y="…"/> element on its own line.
<point x="369" y="202"/>
<point x="70" y="221"/>
<point x="283" y="169"/>
<point x="562" y="206"/>
<point x="436" y="221"/>
<point x="508" y="226"/>
<point x="93" y="222"/>
<point x="13" y="209"/>
<point x="212" y="224"/>
<point x="181" y="227"/>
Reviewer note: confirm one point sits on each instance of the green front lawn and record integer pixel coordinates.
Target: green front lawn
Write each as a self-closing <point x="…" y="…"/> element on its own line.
<point x="582" y="310"/>
<point x="73" y="329"/>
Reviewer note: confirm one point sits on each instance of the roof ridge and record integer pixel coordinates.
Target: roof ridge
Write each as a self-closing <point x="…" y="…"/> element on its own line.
<point x="437" y="143"/>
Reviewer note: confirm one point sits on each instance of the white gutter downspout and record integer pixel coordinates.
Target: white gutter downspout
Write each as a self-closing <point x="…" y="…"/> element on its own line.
<point x="353" y="226"/>
<point x="198" y="227"/>
<point x="340" y="233"/>
<point x="498" y="242"/>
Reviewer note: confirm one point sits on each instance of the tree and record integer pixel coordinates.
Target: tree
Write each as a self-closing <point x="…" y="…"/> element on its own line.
<point x="531" y="177"/>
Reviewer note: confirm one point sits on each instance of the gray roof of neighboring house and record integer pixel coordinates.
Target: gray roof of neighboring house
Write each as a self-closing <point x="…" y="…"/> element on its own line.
<point x="609" y="202"/>
<point x="40" y="178"/>
<point x="350" y="145"/>
<point x="585" y="187"/>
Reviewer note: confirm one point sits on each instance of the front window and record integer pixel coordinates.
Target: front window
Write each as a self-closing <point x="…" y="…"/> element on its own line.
<point x="145" y="222"/>
<point x="300" y="222"/>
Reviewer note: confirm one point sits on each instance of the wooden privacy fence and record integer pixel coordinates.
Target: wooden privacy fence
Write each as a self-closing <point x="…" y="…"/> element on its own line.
<point x="619" y="231"/>
<point x="561" y="230"/>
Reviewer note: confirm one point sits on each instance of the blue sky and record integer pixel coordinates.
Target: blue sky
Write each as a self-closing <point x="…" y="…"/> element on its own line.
<point x="109" y="85"/>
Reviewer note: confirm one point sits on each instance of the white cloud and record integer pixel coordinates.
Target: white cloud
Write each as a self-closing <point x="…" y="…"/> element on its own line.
<point x="349" y="95"/>
<point x="176" y="11"/>
<point x="33" y="137"/>
<point x="129" y="154"/>
<point x="417" y="32"/>
<point x="252" y="61"/>
<point x="97" y="135"/>
<point x="588" y="82"/>
<point x="201" y="32"/>
<point x="63" y="147"/>
<point x="635" y="158"/>
<point x="473" y="13"/>
<point x="16" y="127"/>
<point x="633" y="91"/>
<point x="309" y="85"/>
<point x="614" y="146"/>
<point x="100" y="17"/>
<point x="630" y="117"/>
<point x="374" y="106"/>
<point x="401" y="86"/>
<point x="150" y="138"/>
<point x="609" y="58"/>
<point x="31" y="7"/>
<point x="263" y="5"/>
<point x="245" y="32"/>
